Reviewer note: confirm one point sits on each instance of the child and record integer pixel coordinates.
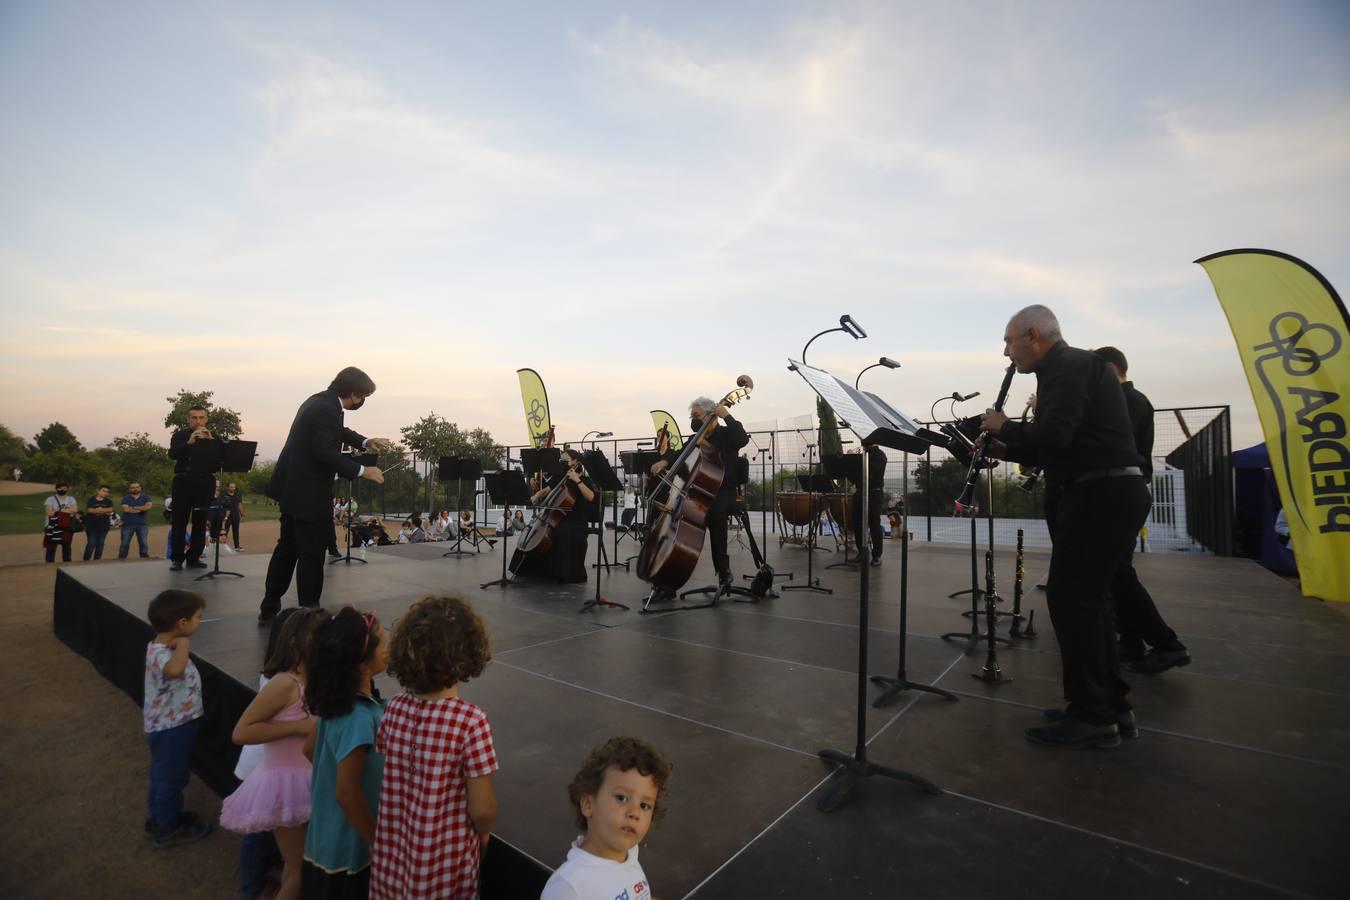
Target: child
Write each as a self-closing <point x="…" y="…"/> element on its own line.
<point x="345" y="654"/>
<point x="616" y="794"/>
<point x="275" y="795"/>
<point x="258" y="851"/>
<point x="172" y="706"/>
<point x="438" y="759"/>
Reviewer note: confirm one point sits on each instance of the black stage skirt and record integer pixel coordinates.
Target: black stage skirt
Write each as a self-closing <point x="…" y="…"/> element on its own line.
<point x="565" y="561"/>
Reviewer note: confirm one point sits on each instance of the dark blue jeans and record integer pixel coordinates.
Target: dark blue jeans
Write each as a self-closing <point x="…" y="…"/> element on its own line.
<point x="170" y="766"/>
<point x="257" y="853"/>
<point x="93" y="542"/>
<point x="142" y="533"/>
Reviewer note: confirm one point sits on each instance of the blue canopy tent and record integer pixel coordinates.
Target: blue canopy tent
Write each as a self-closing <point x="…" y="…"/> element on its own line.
<point x="1258" y="502"/>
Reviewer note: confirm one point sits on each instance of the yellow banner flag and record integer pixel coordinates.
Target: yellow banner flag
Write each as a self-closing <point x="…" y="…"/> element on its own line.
<point x="662" y="418"/>
<point x="1293" y="334"/>
<point x="537" y="420"/>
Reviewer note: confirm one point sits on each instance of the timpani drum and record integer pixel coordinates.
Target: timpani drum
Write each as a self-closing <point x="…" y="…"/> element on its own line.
<point x="795" y="508"/>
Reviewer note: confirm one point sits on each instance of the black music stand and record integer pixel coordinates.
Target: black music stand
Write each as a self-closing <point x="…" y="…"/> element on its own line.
<point x="764" y="453"/>
<point x="878" y="428"/>
<point x="222" y="456"/>
<point x="361" y="459"/>
<point x="814" y="485"/>
<point x="847" y="466"/>
<point x="637" y="463"/>
<point x="545" y="461"/>
<point x="461" y="469"/>
<point x="506" y="488"/>
<point x="598" y="467"/>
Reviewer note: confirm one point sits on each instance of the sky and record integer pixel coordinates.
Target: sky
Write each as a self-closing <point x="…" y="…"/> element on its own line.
<point x="641" y="201"/>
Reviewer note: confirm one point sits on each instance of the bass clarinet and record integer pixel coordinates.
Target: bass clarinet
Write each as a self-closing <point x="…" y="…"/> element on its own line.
<point x="977" y="457"/>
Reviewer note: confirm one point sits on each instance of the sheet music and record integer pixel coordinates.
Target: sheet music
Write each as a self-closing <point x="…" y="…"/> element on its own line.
<point x="902" y="421"/>
<point x="841" y="399"/>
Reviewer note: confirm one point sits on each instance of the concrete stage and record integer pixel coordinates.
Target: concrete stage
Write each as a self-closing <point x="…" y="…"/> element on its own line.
<point x="1239" y="786"/>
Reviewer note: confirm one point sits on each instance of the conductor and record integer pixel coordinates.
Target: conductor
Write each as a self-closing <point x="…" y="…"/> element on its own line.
<point x="302" y="484"/>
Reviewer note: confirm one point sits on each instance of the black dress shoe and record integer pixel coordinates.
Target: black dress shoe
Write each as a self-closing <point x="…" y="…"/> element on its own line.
<point x="1155" y="661"/>
<point x="1125" y="721"/>
<point x="175" y="566"/>
<point x="197" y="564"/>
<point x="1071" y="732"/>
<point x="1130" y="653"/>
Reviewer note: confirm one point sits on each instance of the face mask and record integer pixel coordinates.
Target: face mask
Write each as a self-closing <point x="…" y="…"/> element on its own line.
<point x="695" y="424"/>
<point x="359" y="403"/>
<point x="61" y="491"/>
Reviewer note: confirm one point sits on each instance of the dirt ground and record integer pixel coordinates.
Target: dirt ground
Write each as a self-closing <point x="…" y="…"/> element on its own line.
<point x="73" y="760"/>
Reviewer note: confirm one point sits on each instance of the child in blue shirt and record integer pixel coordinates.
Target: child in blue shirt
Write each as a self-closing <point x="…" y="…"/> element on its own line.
<point x="345" y="654"/>
<point x="171" y="708"/>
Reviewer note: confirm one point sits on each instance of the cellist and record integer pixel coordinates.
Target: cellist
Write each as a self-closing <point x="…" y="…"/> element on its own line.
<point x="565" y="560"/>
<point x="727" y="437"/>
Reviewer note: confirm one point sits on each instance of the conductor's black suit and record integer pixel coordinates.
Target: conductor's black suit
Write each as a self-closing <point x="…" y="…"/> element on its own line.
<point x="303" y="486"/>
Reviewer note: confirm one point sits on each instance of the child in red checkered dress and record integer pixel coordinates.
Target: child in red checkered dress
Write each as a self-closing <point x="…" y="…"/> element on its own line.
<point x="437" y="805"/>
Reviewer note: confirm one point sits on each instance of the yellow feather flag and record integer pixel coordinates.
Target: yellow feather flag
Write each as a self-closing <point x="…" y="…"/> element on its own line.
<point x="659" y="418"/>
<point x="532" y="394"/>
<point x="1293" y="335"/>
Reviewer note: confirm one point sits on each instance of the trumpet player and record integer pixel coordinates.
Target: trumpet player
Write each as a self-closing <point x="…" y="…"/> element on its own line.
<point x="192" y="492"/>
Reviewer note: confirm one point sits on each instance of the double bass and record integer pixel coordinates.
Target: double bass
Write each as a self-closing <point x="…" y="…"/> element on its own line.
<point x="677" y="524"/>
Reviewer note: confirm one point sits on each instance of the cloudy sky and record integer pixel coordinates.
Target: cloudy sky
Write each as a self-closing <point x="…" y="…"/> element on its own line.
<point x="639" y="200"/>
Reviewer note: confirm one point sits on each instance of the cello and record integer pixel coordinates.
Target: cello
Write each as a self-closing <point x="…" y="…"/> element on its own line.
<point x="677" y="524"/>
<point x="538" y="535"/>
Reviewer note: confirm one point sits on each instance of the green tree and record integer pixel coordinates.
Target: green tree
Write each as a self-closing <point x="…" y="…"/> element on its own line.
<point x="830" y="442"/>
<point x="223" y="422"/>
<point x="12" y="451"/>
<point x="54" y="437"/>
<point x="432" y="437"/>
<point x="135" y="457"/>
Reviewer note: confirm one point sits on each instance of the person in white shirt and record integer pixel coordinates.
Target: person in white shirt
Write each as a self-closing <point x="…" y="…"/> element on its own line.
<point x="617" y="795"/>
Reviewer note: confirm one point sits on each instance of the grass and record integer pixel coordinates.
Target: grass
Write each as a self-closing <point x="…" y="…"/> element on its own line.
<point x="23" y="513"/>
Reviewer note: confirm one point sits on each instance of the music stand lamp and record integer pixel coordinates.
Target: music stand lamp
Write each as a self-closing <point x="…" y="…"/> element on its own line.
<point x="855" y="766"/>
<point x="598" y="467"/>
<point x="222" y="456"/>
<point x="361" y="459"/>
<point x="506" y="488"/>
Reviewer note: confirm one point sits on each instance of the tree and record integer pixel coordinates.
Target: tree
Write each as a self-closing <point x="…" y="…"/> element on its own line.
<point x="135" y="457"/>
<point x="431" y="437"/>
<point x="54" y="437"/>
<point x="830" y="443"/>
<point x="12" y="452"/>
<point x="223" y="422"/>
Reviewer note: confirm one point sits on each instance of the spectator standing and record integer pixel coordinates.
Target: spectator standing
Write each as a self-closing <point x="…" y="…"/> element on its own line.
<point x="60" y="530"/>
<point x="97" y="520"/>
<point x="234" y="511"/>
<point x="135" y="521"/>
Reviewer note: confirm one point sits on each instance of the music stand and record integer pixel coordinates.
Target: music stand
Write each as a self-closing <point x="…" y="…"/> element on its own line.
<point x="507" y="489"/>
<point x="541" y="461"/>
<point x="847" y="466"/>
<point x="872" y="426"/>
<point x="223" y="456"/>
<point x="814" y="485"/>
<point x="638" y="463"/>
<point x="598" y="467"/>
<point x="461" y="469"/>
<point x="361" y="459"/>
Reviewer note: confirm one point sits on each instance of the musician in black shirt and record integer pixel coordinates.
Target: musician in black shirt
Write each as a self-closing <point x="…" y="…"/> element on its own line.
<point x="1137" y="617"/>
<point x="1096" y="503"/>
<point x="565" y="560"/>
<point x="191" y="492"/>
<point x="727" y="436"/>
<point x="876" y="499"/>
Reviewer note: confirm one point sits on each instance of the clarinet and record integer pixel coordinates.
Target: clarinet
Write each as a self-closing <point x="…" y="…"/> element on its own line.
<point x="963" y="502"/>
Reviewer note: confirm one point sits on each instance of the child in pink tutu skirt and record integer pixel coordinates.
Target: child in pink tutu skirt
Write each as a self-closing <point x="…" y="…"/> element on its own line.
<point x="276" y="795"/>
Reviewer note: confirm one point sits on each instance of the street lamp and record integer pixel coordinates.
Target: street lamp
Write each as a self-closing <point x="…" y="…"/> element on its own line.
<point x="884" y="361"/>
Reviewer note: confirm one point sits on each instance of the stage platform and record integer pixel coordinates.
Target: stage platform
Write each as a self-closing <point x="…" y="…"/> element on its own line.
<point x="1238" y="787"/>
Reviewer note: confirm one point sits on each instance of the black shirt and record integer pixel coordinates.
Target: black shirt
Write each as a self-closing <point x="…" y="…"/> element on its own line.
<point x="180" y="450"/>
<point x="98" y="522"/>
<point x="1081" y="420"/>
<point x="729" y="437"/>
<point x="1141" y="421"/>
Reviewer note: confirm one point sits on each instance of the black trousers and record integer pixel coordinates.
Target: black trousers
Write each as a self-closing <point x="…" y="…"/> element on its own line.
<point x="1093" y="534"/>
<point x="299" y="551"/>
<point x="718" y="513"/>
<point x="192" y="494"/>
<point x="232" y="523"/>
<point x="1137" y="617"/>
<point x="874" y="534"/>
